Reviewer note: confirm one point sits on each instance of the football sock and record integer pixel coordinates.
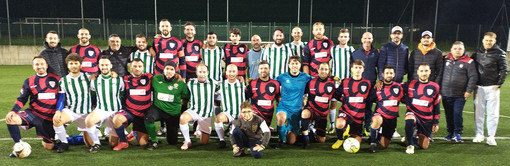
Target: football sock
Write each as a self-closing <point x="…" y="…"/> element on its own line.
<point x="121" y="134"/>
<point x="304" y="126"/>
<point x="282" y="131"/>
<point x="93" y="134"/>
<point x="409" y="131"/>
<point x="162" y="124"/>
<point x="340" y="133"/>
<point x="219" y="130"/>
<point x="373" y="134"/>
<point x="15" y="133"/>
<point x="185" y="132"/>
<point x="217" y="110"/>
<point x="151" y="130"/>
<point x="332" y="116"/>
<point x="61" y="133"/>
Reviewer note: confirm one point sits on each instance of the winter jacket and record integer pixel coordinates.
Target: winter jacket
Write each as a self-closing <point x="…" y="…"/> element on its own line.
<point x="56" y="59"/>
<point x="433" y="57"/>
<point x="119" y="59"/>
<point x="396" y="56"/>
<point x="370" y="61"/>
<point x="491" y="65"/>
<point x="459" y="76"/>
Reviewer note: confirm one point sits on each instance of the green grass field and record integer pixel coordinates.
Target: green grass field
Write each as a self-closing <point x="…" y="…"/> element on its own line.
<point x="439" y="153"/>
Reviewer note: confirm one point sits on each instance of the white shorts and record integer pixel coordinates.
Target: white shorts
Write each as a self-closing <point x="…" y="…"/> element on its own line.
<point x="230" y="117"/>
<point x="106" y="118"/>
<point x="204" y="123"/>
<point x="79" y="119"/>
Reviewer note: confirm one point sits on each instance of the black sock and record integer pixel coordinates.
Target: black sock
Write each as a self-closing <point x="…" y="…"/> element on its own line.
<point x="373" y="134"/>
<point x="15" y="133"/>
<point x="305" y="125"/>
<point x="340" y="133"/>
<point x="121" y="134"/>
<point x="409" y="131"/>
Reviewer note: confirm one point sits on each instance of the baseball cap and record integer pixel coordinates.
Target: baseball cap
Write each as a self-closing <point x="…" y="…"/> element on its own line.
<point x="396" y="28"/>
<point x="425" y="33"/>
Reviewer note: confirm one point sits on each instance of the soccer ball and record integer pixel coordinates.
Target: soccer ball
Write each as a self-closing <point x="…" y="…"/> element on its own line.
<point x="21" y="149"/>
<point x="351" y="145"/>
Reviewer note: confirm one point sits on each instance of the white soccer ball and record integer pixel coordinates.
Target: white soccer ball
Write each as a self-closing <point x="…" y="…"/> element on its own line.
<point x="21" y="149"/>
<point x="351" y="145"/>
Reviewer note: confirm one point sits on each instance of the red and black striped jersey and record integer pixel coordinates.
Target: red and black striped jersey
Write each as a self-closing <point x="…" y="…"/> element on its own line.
<point x="42" y="91"/>
<point x="315" y="52"/>
<point x="168" y="49"/>
<point x="263" y="94"/>
<point x="90" y="56"/>
<point x="236" y="54"/>
<point x="193" y="56"/>
<point x="387" y="99"/>
<point x="320" y="92"/>
<point x="354" y="95"/>
<point x="138" y="93"/>
<point x="423" y="100"/>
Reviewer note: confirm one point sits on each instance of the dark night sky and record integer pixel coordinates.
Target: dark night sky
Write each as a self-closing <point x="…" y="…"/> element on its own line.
<point x="329" y="11"/>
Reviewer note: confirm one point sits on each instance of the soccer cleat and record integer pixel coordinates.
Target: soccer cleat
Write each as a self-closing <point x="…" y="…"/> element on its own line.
<point x="161" y="131"/>
<point x="121" y="146"/>
<point x="62" y="148"/>
<point x="372" y="147"/>
<point x="95" y="148"/>
<point x="222" y="144"/>
<point x="186" y="145"/>
<point x="331" y="130"/>
<point x="130" y="137"/>
<point x="396" y="134"/>
<point x="410" y="149"/>
<point x="279" y="145"/>
<point x="478" y="138"/>
<point x="449" y="137"/>
<point x="12" y="155"/>
<point x="337" y="144"/>
<point x="152" y="145"/>
<point x="366" y="132"/>
<point x="491" y="141"/>
<point x="458" y="138"/>
<point x="239" y="153"/>
<point x="346" y="132"/>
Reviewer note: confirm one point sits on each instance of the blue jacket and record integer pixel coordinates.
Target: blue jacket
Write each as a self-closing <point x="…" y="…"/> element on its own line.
<point x="370" y="61"/>
<point x="396" y="56"/>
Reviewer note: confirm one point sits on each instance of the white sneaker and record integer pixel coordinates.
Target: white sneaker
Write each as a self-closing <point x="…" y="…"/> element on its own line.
<point x="396" y="134"/>
<point x="491" y="141"/>
<point x="185" y="145"/>
<point x="478" y="139"/>
<point x="410" y="149"/>
<point x="161" y="131"/>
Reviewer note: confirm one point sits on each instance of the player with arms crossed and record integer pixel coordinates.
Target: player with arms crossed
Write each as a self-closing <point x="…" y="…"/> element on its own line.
<point x="422" y="100"/>
<point x="353" y="92"/>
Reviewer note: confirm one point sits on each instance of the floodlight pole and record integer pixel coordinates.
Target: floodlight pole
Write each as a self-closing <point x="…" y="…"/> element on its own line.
<point x="104" y="21"/>
<point x="82" y="20"/>
<point x="298" y="9"/>
<point x="435" y="21"/>
<point x="311" y="14"/>
<point x="155" y="17"/>
<point x="368" y="9"/>
<point x="8" y="21"/>
<point x="207" y="15"/>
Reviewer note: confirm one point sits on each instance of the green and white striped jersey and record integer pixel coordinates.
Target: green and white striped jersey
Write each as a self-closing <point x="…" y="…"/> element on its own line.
<point x="341" y="59"/>
<point x="77" y="93"/>
<point x="212" y="58"/>
<point x="297" y="48"/>
<point x="232" y="96"/>
<point x="202" y="96"/>
<point x="148" y="60"/>
<point x="108" y="91"/>
<point x="277" y="58"/>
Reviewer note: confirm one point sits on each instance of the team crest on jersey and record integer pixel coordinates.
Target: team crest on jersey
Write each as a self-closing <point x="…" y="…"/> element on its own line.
<point x="196" y="48"/>
<point x="329" y="88"/>
<point x="363" y="88"/>
<point x="241" y="49"/>
<point x="395" y="90"/>
<point x="271" y="89"/>
<point x="176" y="85"/>
<point x="52" y="84"/>
<point x="90" y="53"/>
<point x="143" y="81"/>
<point x="430" y="91"/>
<point x="170" y="87"/>
<point x="325" y="44"/>
<point x="254" y="128"/>
<point x="172" y="45"/>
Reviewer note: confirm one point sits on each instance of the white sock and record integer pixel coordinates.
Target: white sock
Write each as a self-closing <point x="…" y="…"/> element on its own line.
<point x="93" y="134"/>
<point x="61" y="133"/>
<point x="306" y="132"/>
<point x="220" y="131"/>
<point x="332" y="115"/>
<point x="185" y="132"/>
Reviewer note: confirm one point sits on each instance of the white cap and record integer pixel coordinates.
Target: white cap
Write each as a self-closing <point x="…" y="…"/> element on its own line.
<point x="426" y="33"/>
<point x="396" y="28"/>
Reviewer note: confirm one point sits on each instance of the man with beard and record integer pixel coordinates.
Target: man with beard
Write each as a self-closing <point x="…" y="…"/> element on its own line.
<point x="277" y="55"/>
<point x="54" y="54"/>
<point x="168" y="47"/>
<point x="143" y="53"/>
<point x="427" y="52"/>
<point x="254" y="56"/>
<point x="192" y="51"/>
<point x="89" y="53"/>
<point x="316" y="51"/>
<point x="263" y="93"/>
<point x="212" y="56"/>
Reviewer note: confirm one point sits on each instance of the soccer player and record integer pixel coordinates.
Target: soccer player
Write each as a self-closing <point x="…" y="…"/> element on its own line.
<point x="119" y="55"/>
<point x="231" y="94"/>
<point x="168" y="47"/>
<point x="386" y="109"/>
<point x="192" y="51"/>
<point x="277" y="55"/>
<point x="316" y="51"/>
<point x="251" y="131"/>
<point x="354" y="93"/>
<point x="288" y="111"/>
<point x="263" y="92"/>
<point x="297" y="45"/>
<point x="108" y="90"/>
<point x="320" y="91"/>
<point x="254" y="56"/>
<point x="42" y="90"/>
<point x="89" y="53"/>
<point x="422" y="100"/>
<point x="54" y="54"/>
<point x="143" y="53"/>
<point x="168" y="92"/>
<point x="212" y="57"/>
<point x="341" y="59"/>
<point x="137" y="100"/>
<point x="74" y="92"/>
<point x="202" y="91"/>
<point x="235" y="53"/>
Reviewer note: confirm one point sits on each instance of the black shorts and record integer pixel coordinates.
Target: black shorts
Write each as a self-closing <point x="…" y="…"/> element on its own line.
<point x="268" y="117"/>
<point x="320" y="122"/>
<point x="388" y="127"/>
<point x="423" y="127"/>
<point x="171" y="121"/>
<point x="138" y="124"/>
<point x="355" y="128"/>
<point x="43" y="127"/>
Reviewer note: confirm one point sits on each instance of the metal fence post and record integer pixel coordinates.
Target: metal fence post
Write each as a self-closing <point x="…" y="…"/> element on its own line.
<point x="107" y="28"/>
<point x="457" y="34"/>
<point x="62" y="21"/>
<point x="352" y="31"/>
<point x="21" y="29"/>
<point x="131" y="26"/>
<point x="42" y="31"/>
<point x="479" y="33"/>
<point x="125" y="29"/>
<point x="330" y="29"/>
<point x="146" y="27"/>
<point x="180" y="29"/>
<point x="33" y="30"/>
